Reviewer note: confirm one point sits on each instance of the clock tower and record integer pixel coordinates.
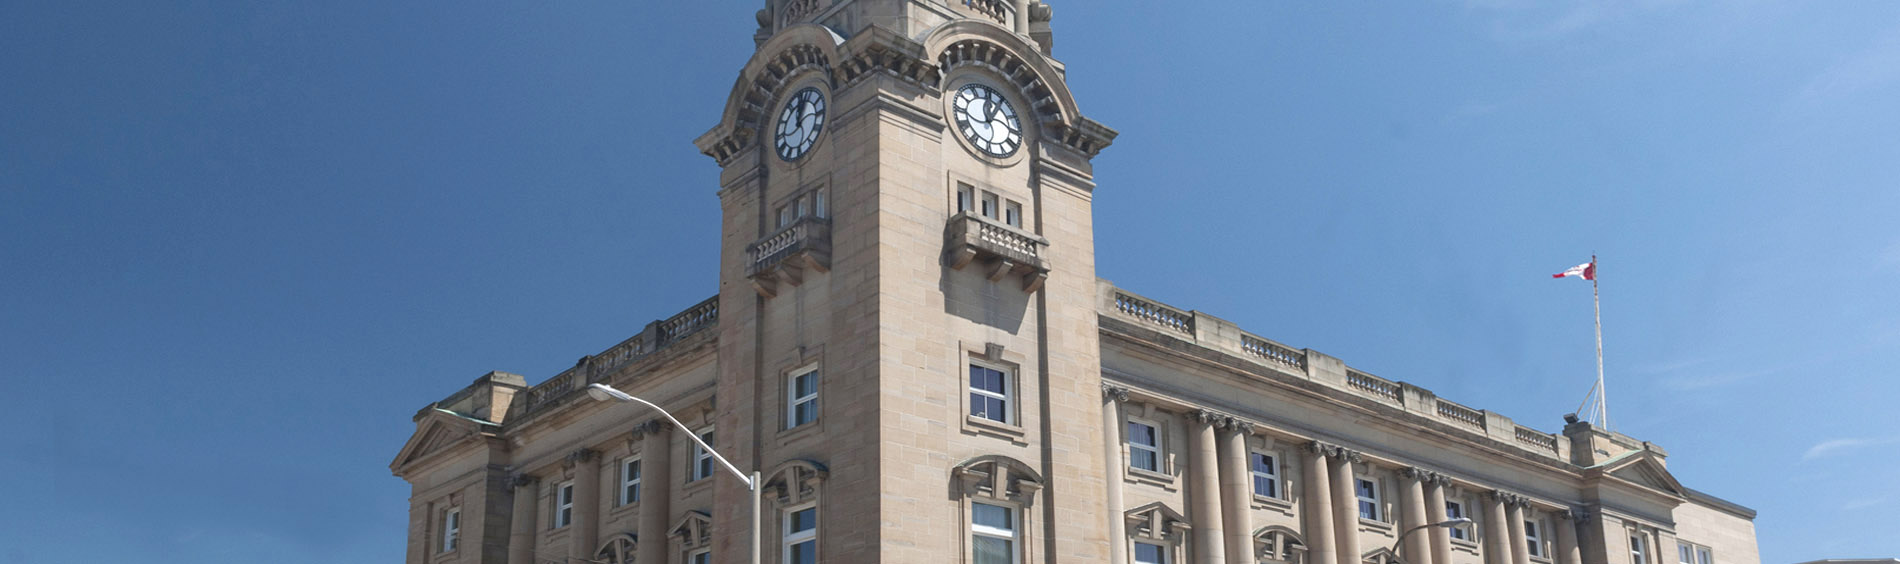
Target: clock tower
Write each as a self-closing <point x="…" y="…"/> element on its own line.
<point x="908" y="341"/>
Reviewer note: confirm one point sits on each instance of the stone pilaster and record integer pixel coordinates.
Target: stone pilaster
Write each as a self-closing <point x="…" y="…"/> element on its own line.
<point x="1204" y="487"/>
<point x="1566" y="524"/>
<point x="1345" y="505"/>
<point x="656" y="484"/>
<point x="1316" y="504"/>
<point x="1112" y="428"/>
<point x="1520" y="546"/>
<point x="1435" y="511"/>
<point x="521" y="535"/>
<point x="586" y="528"/>
<point x="1236" y="484"/>
<point x="1413" y="514"/>
<point x="1497" y="529"/>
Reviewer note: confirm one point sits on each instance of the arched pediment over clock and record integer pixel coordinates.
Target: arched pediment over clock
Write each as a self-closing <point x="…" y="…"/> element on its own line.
<point x="1014" y="59"/>
<point x="792" y="53"/>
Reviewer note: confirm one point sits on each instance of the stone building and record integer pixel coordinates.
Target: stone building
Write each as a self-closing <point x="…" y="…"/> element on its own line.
<point x="910" y="343"/>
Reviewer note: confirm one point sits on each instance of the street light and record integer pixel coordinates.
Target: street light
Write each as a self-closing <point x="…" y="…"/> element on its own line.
<point x="1395" y="544"/>
<point x="603" y="392"/>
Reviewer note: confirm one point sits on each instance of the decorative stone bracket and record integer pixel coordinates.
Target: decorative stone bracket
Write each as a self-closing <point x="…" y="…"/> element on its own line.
<point x="1003" y="249"/>
<point x="785" y="255"/>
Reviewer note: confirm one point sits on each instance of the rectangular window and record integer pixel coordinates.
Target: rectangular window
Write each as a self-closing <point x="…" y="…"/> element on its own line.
<point x="1455" y="510"/>
<point x="784" y="216"/>
<point x="1638" y="552"/>
<point x="989" y="393"/>
<point x="1150" y="554"/>
<point x="820" y="207"/>
<point x="801" y="398"/>
<point x="1533" y="538"/>
<point x="801" y="204"/>
<point x="629" y="481"/>
<point x="702" y="459"/>
<point x="1702" y="555"/>
<point x="801" y="535"/>
<point x="1368" y="499"/>
<point x="563" y="504"/>
<point x="1266" y="474"/>
<point x="966" y="198"/>
<point x="1691" y="554"/>
<point x="1013" y="214"/>
<point x="989" y="205"/>
<point x="1144" y="446"/>
<point x="701" y="556"/>
<point x="993" y="534"/>
<point x="451" y="529"/>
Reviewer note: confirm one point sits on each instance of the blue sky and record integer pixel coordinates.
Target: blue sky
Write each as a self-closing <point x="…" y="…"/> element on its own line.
<point x="242" y="242"/>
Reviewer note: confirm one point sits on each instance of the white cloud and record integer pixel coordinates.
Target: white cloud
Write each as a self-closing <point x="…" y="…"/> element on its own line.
<point x="1832" y="447"/>
<point x="1865" y="503"/>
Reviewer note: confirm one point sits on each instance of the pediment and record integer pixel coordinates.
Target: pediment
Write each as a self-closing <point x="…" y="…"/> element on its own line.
<point x="436" y="431"/>
<point x="1644" y="470"/>
<point x="693" y="530"/>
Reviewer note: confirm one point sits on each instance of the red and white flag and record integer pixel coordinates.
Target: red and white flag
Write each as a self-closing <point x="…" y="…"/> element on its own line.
<point x="1586" y="270"/>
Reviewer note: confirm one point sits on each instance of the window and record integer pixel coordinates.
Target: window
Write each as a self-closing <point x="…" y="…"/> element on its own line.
<point x="1013" y="214"/>
<point x="702" y="458"/>
<point x="989" y="393"/>
<point x="801" y="398"/>
<point x="1144" y="446"/>
<point x="802" y="205"/>
<point x="1368" y="499"/>
<point x="451" y="529"/>
<point x="801" y="535"/>
<point x="820" y="207"/>
<point x="1534" y="539"/>
<point x="993" y="530"/>
<point x="1688" y="553"/>
<point x="629" y="481"/>
<point x="563" y="504"/>
<point x="1146" y="553"/>
<point x="1638" y="550"/>
<point x="966" y="198"/>
<point x="701" y="556"/>
<point x="1455" y="510"/>
<point x="1266" y="474"/>
<point x="989" y="205"/>
<point x="784" y="216"/>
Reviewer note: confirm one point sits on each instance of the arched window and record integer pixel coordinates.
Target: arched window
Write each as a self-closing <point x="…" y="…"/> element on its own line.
<point x="617" y="550"/>
<point x="1278" y="545"/>
<point x="1156" y="534"/>
<point x="1381" y="556"/>
<point x="996" y="493"/>
<point x="793" y="488"/>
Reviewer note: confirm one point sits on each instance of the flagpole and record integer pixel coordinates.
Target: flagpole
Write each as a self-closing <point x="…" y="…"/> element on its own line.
<point x="1596" y="303"/>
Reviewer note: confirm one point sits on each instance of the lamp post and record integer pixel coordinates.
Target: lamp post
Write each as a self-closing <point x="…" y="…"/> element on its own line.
<point x="603" y="392"/>
<point x="1395" y="544"/>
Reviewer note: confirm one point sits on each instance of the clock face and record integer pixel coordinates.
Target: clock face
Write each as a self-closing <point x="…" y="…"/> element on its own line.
<point x="799" y="124"/>
<point x="986" y="119"/>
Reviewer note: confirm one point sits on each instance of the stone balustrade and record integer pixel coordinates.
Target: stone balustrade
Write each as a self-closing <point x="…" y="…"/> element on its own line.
<point x="657" y="336"/>
<point x="1221" y="335"/>
<point x="998" y="10"/>
<point x="786" y="254"/>
<point x="1006" y="250"/>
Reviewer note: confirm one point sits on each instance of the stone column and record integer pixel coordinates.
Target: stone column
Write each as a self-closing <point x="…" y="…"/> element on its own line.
<point x="1413" y="513"/>
<point x="1316" y="504"/>
<point x="1203" y="488"/>
<point x="586" y="533"/>
<point x="1021" y="21"/>
<point x="521" y="534"/>
<point x="1497" y="531"/>
<point x="1520" y="546"/>
<point x="1567" y="550"/>
<point x="1435" y="512"/>
<point x="656" y="490"/>
<point x="1345" y="506"/>
<point x="1236" y="486"/>
<point x="1112" y="429"/>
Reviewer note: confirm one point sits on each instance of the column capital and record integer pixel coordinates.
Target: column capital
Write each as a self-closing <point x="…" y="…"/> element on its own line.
<point x="1509" y="499"/>
<point x="1316" y="447"/>
<point x="579" y="455"/>
<point x="1241" y="426"/>
<point x="1208" y="416"/>
<point x="1114" y="393"/>
<point x="523" y="480"/>
<point x="650" y="427"/>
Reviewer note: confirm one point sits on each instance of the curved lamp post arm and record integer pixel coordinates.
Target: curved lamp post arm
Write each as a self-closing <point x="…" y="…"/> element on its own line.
<point x="603" y="391"/>
<point x="1395" y="544"/>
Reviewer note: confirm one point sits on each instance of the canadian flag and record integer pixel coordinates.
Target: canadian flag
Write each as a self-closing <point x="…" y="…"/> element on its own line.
<point x="1586" y="270"/>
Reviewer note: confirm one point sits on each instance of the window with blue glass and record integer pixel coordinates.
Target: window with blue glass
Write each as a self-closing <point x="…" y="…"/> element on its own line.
<point x="990" y="393"/>
<point x="1266" y="474"/>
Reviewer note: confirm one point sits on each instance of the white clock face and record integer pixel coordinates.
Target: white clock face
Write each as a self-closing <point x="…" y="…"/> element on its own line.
<point x="799" y="124"/>
<point x="986" y="119"/>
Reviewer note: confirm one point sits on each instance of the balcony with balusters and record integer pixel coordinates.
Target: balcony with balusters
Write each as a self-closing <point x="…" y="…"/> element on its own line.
<point x="786" y="255"/>
<point x="1002" y="250"/>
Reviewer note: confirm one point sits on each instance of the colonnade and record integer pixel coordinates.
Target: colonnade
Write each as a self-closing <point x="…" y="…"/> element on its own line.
<point x="1219" y="486"/>
<point x="656" y="468"/>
